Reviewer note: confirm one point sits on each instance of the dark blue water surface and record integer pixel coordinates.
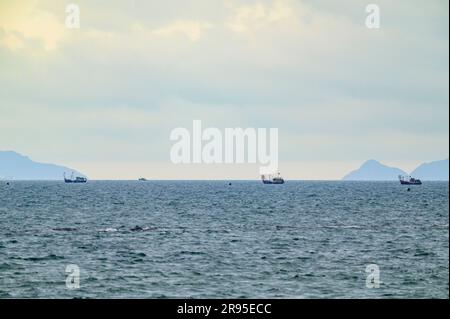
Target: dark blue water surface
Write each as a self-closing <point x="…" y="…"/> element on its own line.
<point x="209" y="239"/>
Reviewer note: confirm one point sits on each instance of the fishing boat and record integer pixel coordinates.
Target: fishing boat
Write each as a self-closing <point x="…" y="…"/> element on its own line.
<point x="271" y="179"/>
<point x="408" y="180"/>
<point x="73" y="179"/>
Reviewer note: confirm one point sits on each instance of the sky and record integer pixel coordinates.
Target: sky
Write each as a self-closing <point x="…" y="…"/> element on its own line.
<point x="104" y="98"/>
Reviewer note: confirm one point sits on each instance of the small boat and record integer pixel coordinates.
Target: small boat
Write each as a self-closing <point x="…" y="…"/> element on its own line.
<point x="77" y="179"/>
<point x="408" y="180"/>
<point x="142" y="179"/>
<point x="271" y="179"/>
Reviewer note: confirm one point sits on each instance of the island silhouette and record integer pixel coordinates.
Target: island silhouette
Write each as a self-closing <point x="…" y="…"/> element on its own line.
<point x="15" y="166"/>
<point x="373" y="170"/>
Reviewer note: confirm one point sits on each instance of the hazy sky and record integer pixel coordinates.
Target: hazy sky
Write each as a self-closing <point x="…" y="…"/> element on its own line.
<point x="103" y="98"/>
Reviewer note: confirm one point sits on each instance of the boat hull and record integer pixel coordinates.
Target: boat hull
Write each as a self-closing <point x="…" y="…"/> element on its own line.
<point x="273" y="182"/>
<point x="70" y="181"/>
<point x="411" y="183"/>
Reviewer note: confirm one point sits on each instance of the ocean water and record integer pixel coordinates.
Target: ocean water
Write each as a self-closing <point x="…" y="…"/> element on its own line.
<point x="201" y="239"/>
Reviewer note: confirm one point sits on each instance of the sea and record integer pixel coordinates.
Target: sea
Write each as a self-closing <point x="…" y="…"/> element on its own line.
<point x="223" y="239"/>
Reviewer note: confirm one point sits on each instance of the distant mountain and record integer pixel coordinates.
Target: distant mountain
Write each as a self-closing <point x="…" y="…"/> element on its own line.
<point x="18" y="167"/>
<point x="433" y="171"/>
<point x="374" y="171"/>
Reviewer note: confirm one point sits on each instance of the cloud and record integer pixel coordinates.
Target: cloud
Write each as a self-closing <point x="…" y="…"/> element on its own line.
<point x="311" y="68"/>
<point x="253" y="17"/>
<point x="12" y="40"/>
<point x="24" y="21"/>
<point x="191" y="29"/>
